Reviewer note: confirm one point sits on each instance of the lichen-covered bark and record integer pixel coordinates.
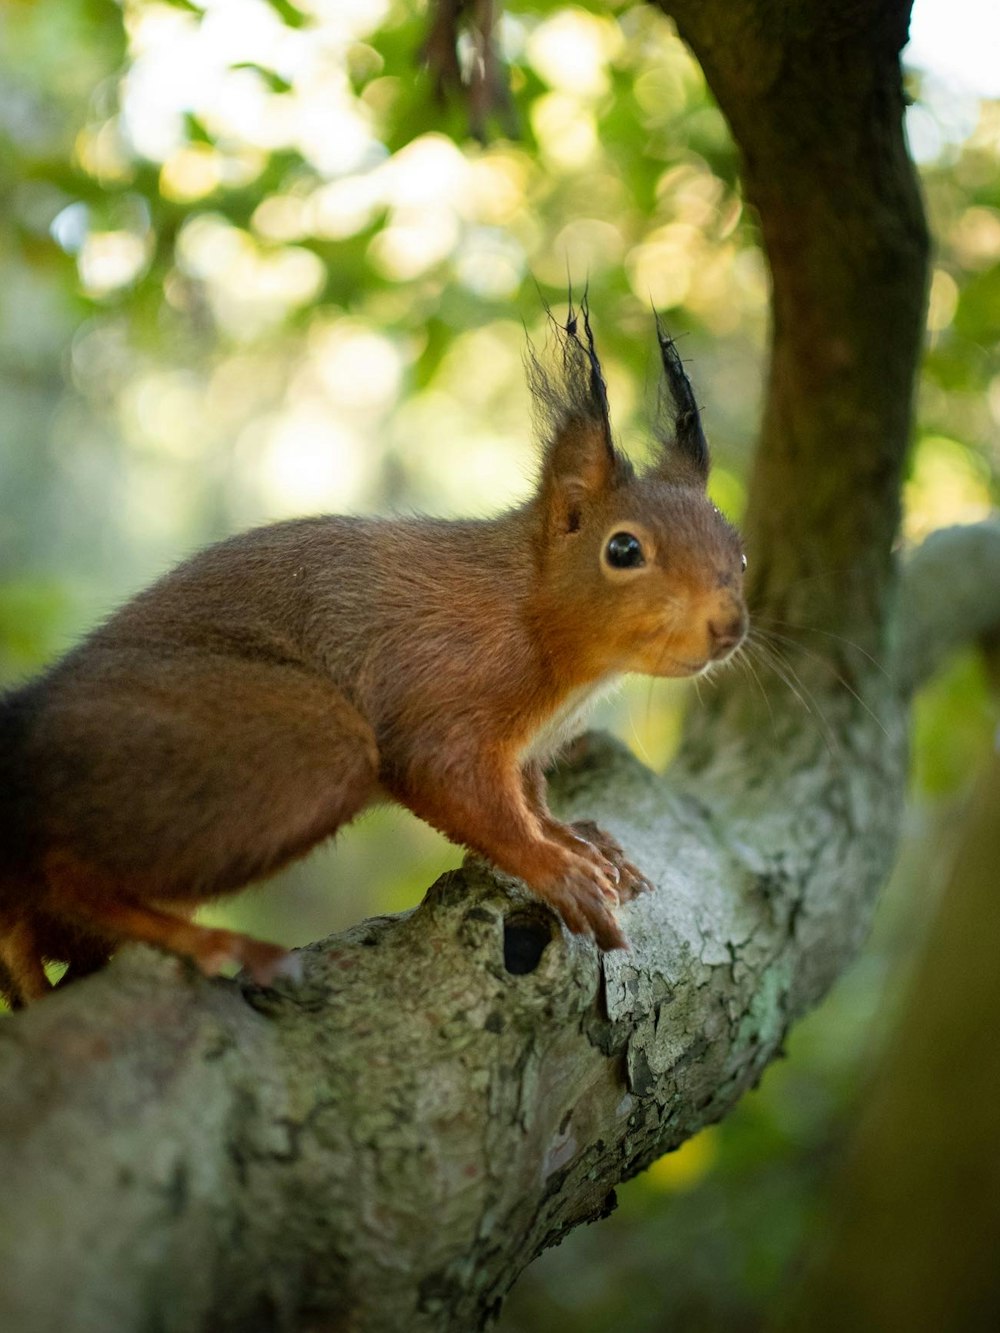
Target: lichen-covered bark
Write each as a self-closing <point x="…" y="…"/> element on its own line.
<point x="387" y="1145"/>
<point x="398" y="1137"/>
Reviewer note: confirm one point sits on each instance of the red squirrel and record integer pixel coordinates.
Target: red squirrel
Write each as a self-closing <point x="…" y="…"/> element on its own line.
<point x="260" y="695"/>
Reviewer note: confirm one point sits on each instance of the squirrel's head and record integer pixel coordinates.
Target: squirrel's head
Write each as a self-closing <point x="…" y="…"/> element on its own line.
<point x="637" y="571"/>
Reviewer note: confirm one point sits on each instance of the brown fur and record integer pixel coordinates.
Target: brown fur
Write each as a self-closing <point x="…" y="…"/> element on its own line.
<point x="259" y="696"/>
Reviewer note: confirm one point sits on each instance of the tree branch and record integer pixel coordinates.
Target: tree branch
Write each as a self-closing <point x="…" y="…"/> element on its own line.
<point x="410" y="1128"/>
<point x="450" y="1091"/>
<point x="947" y="599"/>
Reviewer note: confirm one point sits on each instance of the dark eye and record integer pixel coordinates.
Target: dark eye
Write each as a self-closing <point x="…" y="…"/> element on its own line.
<point x="743" y="563"/>
<point x="624" y="551"/>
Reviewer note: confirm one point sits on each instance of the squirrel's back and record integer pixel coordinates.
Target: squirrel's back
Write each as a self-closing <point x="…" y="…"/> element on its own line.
<point x="344" y="597"/>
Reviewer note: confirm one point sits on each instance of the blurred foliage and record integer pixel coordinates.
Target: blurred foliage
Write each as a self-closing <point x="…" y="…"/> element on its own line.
<point x="251" y="267"/>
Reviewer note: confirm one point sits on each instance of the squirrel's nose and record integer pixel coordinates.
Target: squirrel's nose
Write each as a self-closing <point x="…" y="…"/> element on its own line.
<point x="726" y="635"/>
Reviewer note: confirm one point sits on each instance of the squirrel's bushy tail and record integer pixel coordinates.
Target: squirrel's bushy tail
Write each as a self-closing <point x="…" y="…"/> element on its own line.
<point x="15" y="789"/>
<point x="20" y="955"/>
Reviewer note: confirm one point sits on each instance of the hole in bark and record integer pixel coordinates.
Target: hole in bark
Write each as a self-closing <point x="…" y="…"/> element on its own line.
<point x="524" y="941"/>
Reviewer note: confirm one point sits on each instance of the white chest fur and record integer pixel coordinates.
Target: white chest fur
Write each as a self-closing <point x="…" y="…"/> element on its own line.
<point x="568" y="721"/>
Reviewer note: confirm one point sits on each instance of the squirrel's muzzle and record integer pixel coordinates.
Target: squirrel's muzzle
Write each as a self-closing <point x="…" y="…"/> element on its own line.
<point x="726" y="635"/>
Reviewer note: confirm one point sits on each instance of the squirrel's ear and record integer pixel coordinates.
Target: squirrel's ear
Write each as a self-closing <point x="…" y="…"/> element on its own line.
<point x="580" y="464"/>
<point x="580" y="460"/>
<point x="683" y="447"/>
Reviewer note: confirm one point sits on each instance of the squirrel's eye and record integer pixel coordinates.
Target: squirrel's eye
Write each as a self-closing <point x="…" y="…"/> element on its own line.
<point x="624" y="551"/>
<point x="743" y="563"/>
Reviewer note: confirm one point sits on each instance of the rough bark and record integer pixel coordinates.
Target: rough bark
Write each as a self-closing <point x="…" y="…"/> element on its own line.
<point x="387" y="1145"/>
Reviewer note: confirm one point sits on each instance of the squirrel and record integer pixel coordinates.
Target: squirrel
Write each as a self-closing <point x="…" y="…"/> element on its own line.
<point x="259" y="696"/>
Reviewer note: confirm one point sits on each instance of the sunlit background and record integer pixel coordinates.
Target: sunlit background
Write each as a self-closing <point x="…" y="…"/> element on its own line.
<point x="250" y="268"/>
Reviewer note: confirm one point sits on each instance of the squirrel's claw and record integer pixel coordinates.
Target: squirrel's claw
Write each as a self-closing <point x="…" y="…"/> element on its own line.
<point x="629" y="878"/>
<point x="215" y="950"/>
<point x="586" y="900"/>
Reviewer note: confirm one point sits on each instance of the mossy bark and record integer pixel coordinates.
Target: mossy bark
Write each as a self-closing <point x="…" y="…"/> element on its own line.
<point x="447" y="1092"/>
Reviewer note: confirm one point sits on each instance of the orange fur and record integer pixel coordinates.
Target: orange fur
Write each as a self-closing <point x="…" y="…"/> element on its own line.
<point x="259" y="696"/>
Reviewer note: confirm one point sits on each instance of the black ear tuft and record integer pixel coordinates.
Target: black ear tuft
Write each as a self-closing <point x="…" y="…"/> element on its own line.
<point x="598" y="388"/>
<point x="571" y="407"/>
<point x="679" y="422"/>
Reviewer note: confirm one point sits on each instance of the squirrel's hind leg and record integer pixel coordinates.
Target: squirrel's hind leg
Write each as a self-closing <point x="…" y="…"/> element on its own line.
<point x="210" y="948"/>
<point x="239" y="769"/>
<point x="22" y="976"/>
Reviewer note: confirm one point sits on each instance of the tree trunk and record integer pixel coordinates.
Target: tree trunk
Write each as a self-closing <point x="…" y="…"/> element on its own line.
<point x="388" y="1144"/>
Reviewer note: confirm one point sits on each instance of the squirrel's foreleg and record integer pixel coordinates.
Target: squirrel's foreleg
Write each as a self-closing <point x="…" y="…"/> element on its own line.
<point x="479" y="801"/>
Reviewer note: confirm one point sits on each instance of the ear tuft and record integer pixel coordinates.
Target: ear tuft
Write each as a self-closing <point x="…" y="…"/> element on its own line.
<point x="684" y="449"/>
<point x="571" y="409"/>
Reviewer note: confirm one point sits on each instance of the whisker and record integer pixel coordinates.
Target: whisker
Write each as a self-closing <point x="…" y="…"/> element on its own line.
<point x="782" y="670"/>
<point x="649" y="700"/>
<point x="636" y="735"/>
<point x="743" y="659"/>
<point x="653" y="678"/>
<point x="800" y="647"/>
<point x="828" y="634"/>
<point x="794" y="683"/>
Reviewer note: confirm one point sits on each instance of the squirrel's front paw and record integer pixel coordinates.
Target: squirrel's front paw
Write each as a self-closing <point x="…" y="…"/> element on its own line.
<point x="631" y="880"/>
<point x="585" y="898"/>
